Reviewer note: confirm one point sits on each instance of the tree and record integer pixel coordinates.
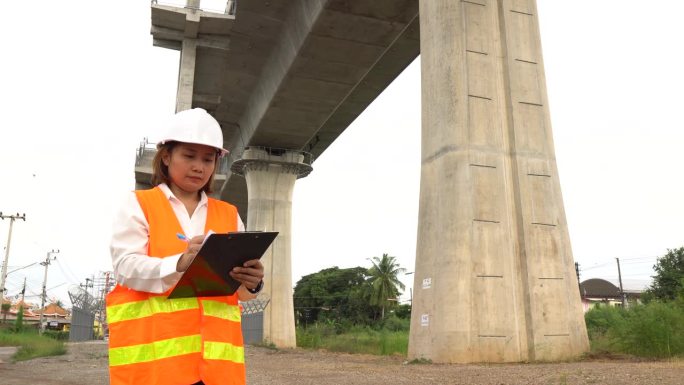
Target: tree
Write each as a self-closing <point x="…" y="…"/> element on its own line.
<point x="384" y="282"/>
<point x="19" y="322"/>
<point x="333" y="294"/>
<point x="667" y="283"/>
<point x="6" y="306"/>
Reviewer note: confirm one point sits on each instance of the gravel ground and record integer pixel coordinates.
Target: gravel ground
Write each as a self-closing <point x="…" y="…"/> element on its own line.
<point x="86" y="364"/>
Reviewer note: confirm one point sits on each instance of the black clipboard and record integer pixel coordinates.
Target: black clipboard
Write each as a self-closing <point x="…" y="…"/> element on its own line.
<point x="207" y="275"/>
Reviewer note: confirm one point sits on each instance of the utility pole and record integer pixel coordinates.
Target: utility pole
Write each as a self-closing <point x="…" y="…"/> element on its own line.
<point x="42" y="302"/>
<point x="23" y="291"/>
<point x="622" y="292"/>
<point x="578" y="278"/>
<point x="86" y="304"/>
<point x="3" y="275"/>
<point x="103" y="311"/>
<point x="92" y="287"/>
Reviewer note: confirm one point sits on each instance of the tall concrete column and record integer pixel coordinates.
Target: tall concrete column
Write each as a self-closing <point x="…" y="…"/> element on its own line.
<point x="186" y="74"/>
<point x="270" y="176"/>
<point x="494" y="277"/>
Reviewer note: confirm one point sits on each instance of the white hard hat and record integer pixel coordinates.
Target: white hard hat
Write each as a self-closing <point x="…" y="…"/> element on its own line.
<point x="194" y="126"/>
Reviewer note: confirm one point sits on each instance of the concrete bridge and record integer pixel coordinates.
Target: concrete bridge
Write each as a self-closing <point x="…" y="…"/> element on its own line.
<point x="494" y="274"/>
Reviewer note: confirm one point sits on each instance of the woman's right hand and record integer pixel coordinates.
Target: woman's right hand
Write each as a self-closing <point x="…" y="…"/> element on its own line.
<point x="186" y="258"/>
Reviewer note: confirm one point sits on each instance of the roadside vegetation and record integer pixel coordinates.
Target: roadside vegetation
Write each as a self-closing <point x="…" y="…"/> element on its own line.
<point x="356" y="339"/>
<point x="343" y="310"/>
<point x="353" y="310"/>
<point x="654" y="329"/>
<point x="30" y="343"/>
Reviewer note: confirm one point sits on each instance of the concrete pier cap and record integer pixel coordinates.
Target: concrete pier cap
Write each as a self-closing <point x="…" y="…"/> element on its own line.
<point x="296" y="162"/>
<point x="270" y="174"/>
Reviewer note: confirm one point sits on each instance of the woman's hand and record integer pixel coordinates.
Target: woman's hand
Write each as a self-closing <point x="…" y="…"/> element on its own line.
<point x="250" y="274"/>
<point x="194" y="245"/>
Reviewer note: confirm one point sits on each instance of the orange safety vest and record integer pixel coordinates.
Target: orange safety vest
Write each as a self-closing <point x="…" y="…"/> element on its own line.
<point x="155" y="340"/>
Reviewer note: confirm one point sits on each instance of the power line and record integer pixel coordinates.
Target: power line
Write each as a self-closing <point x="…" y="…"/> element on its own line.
<point x="631" y="259"/>
<point x="636" y="262"/>
<point x="596" y="266"/>
<point x="71" y="277"/>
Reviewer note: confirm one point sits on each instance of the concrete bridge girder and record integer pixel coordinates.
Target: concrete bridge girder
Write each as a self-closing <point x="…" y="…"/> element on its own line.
<point x="291" y="74"/>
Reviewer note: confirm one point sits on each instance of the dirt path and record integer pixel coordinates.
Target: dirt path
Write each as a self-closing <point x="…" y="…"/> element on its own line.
<point x="86" y="364"/>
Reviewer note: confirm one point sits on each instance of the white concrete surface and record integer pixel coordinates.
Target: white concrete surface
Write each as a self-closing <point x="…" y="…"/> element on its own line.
<point x="494" y="277"/>
<point x="270" y="183"/>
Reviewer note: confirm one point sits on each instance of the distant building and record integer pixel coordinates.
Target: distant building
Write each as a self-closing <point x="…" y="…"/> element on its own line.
<point x="56" y="318"/>
<point x="31" y="314"/>
<point x="607" y="291"/>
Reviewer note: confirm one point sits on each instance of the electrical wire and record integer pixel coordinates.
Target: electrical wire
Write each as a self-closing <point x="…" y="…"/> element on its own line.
<point x="71" y="277"/>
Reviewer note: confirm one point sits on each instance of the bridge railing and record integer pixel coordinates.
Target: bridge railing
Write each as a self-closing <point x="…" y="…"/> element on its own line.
<point x="147" y="150"/>
<point x="213" y="6"/>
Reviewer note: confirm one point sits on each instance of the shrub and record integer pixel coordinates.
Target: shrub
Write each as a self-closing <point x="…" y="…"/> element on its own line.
<point x="358" y="339"/>
<point x="653" y="330"/>
<point x="57" y="334"/>
<point x="394" y="323"/>
<point x="31" y="344"/>
<point x="19" y="322"/>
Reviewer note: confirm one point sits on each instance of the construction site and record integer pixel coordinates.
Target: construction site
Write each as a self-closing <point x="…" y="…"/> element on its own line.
<point x="496" y="294"/>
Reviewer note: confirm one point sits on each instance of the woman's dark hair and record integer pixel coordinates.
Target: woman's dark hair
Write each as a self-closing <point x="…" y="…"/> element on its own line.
<point x="160" y="171"/>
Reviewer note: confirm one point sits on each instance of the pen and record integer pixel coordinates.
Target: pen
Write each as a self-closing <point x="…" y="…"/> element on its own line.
<point x="182" y="237"/>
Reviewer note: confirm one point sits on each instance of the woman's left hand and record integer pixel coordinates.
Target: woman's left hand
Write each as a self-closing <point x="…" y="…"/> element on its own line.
<point x="250" y="274"/>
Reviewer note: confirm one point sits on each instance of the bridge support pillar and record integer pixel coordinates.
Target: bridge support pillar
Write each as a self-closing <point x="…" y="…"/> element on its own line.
<point x="270" y="175"/>
<point x="186" y="74"/>
<point x="494" y="275"/>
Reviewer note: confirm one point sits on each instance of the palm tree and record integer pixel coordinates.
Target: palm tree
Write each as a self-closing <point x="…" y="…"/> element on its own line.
<point x="383" y="280"/>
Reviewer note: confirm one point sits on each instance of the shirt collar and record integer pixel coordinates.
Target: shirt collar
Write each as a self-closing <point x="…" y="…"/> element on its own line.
<point x="169" y="194"/>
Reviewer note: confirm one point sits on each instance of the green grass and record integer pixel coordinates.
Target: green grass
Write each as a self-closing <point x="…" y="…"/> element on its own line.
<point x="655" y="330"/>
<point x="31" y="345"/>
<point x="357" y="340"/>
<point x="420" y="361"/>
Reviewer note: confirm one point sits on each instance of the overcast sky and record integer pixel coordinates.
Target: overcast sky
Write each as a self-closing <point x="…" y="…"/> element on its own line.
<point x="82" y="85"/>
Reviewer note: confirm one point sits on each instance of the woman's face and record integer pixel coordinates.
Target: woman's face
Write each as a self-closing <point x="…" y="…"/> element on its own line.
<point x="190" y="165"/>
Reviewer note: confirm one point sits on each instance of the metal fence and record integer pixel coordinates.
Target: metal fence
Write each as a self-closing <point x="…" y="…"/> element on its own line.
<point x="253" y="320"/>
<point x="82" y="323"/>
<point x="253" y="328"/>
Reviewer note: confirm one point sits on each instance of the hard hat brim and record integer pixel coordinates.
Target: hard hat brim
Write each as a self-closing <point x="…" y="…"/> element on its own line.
<point x="221" y="151"/>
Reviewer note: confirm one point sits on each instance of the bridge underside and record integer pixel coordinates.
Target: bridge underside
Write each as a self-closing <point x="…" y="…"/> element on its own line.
<point x="494" y="277"/>
<point x="291" y="74"/>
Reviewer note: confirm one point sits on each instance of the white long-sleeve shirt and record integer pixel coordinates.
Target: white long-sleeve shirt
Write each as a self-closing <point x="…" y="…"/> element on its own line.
<point x="133" y="268"/>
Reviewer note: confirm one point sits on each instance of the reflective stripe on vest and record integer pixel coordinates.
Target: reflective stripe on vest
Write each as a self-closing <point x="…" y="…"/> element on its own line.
<point x="155" y="350"/>
<point x="224" y="351"/>
<point x="176" y="347"/>
<point x="221" y="310"/>
<point x="156" y="340"/>
<point x="146" y="308"/>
